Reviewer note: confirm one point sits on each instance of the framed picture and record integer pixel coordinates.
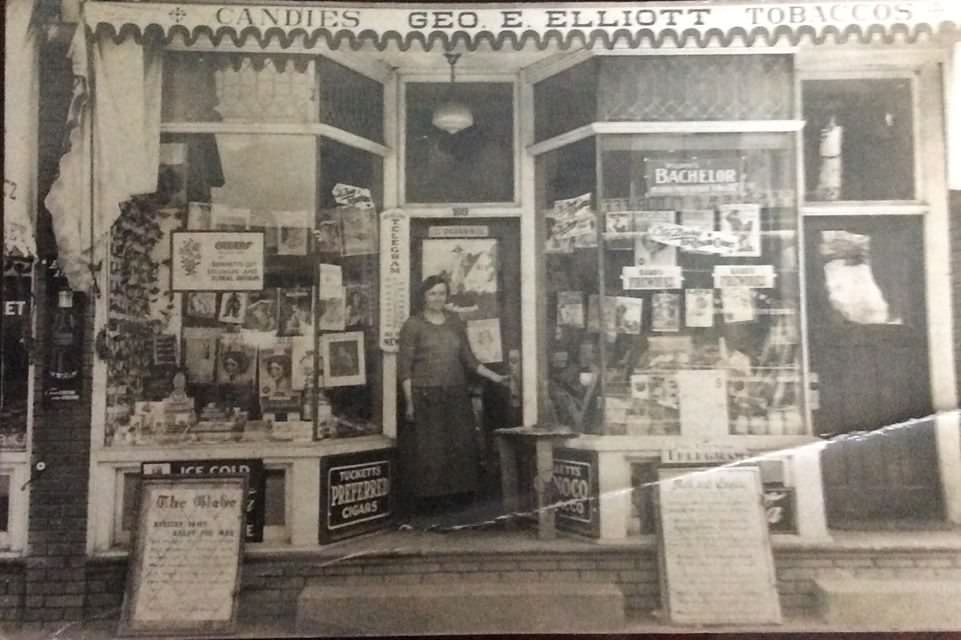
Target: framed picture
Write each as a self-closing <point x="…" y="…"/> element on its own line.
<point x="343" y="357"/>
<point x="233" y="307"/>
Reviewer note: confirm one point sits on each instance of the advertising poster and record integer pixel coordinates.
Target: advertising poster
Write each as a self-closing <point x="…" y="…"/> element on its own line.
<point x="293" y="233"/>
<point x="200" y="353"/>
<point x="485" y="339"/>
<point x="470" y="267"/>
<point x="619" y="223"/>
<point x="577" y="491"/>
<point x="627" y="315"/>
<point x="295" y="311"/>
<point x="217" y="261"/>
<point x="357" y="493"/>
<point x="666" y="177"/>
<point x="394" y="277"/>
<point x="737" y="304"/>
<point x="666" y="312"/>
<point x="648" y="252"/>
<point x="699" y="307"/>
<point x="743" y="221"/>
<point x="360" y="231"/>
<point x="570" y="309"/>
<point x="703" y="398"/>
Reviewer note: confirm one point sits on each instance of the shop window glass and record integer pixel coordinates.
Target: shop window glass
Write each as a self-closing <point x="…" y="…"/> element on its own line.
<point x="238" y="87"/>
<point x="472" y="165"/>
<point x="350" y="101"/>
<point x="213" y="365"/>
<point x="670" y="88"/>
<point x="696" y="315"/>
<point x="14" y="357"/>
<point x="858" y="141"/>
<point x="565" y="101"/>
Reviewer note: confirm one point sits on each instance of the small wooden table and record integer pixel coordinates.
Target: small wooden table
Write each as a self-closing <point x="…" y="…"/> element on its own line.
<point x="543" y="439"/>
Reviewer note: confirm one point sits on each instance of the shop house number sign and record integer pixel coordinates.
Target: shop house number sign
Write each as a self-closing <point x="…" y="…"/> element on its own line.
<point x="217" y="261"/>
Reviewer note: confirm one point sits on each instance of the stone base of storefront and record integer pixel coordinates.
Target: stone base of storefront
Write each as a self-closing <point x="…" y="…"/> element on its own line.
<point x="273" y="582"/>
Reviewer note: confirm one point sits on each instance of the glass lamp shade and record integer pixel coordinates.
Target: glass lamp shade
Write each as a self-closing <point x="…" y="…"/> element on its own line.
<point x="453" y="117"/>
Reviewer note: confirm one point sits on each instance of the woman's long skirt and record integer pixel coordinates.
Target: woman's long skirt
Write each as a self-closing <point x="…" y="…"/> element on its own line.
<point x="439" y="454"/>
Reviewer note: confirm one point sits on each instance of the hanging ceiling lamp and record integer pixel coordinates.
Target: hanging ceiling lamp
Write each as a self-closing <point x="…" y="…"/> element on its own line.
<point x="452" y="116"/>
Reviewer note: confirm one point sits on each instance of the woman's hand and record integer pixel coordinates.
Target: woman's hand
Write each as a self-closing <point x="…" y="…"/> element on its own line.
<point x="409" y="412"/>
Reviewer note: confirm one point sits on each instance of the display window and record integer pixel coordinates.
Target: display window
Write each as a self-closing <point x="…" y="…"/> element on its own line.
<point x="15" y="328"/>
<point x="672" y="285"/>
<point x="242" y="294"/>
<point x="859" y="139"/>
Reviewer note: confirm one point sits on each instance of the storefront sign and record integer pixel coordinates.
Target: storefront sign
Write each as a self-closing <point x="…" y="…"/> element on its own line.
<point x="357" y="494"/>
<point x="753" y="276"/>
<point x="714" y="549"/>
<point x="693" y="239"/>
<point x="217" y="261"/>
<point x="252" y="469"/>
<point x="575" y="491"/>
<point x="515" y="24"/>
<point x="705" y="176"/>
<point x="62" y="370"/>
<point x="394" y="277"/>
<point x="684" y="455"/>
<point x="459" y="231"/>
<point x="645" y="278"/>
<point x="184" y="570"/>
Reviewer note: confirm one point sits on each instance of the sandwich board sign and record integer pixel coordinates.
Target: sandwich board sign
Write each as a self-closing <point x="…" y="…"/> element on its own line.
<point x="183" y="575"/>
<point x="714" y="549"/>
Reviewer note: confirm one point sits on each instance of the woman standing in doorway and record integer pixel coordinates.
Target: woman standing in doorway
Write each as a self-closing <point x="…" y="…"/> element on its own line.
<point x="438" y="448"/>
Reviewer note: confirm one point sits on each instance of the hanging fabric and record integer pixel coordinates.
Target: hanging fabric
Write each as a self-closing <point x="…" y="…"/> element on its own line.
<point x="20" y="130"/>
<point x="113" y="129"/>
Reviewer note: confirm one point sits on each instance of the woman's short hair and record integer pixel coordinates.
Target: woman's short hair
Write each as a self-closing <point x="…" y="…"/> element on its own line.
<point x="429" y="283"/>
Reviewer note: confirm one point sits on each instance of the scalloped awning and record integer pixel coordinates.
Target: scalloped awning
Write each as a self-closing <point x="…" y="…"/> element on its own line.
<point x="505" y="26"/>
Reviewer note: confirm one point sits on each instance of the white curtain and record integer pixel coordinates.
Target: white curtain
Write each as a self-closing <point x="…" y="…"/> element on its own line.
<point x="20" y="129"/>
<point x="114" y="124"/>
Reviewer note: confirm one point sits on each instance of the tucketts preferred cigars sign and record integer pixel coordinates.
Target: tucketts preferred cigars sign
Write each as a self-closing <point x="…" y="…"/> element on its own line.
<point x="671" y="22"/>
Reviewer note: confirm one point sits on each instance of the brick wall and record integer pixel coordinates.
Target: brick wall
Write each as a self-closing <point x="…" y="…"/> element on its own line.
<point x="271" y="586"/>
<point x="54" y="574"/>
<point x="11" y="593"/>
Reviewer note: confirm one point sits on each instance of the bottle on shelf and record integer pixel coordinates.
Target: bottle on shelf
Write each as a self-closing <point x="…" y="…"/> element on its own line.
<point x="64" y="359"/>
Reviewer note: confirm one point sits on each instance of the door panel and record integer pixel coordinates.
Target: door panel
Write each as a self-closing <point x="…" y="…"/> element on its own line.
<point x="499" y="408"/>
<point x="868" y="345"/>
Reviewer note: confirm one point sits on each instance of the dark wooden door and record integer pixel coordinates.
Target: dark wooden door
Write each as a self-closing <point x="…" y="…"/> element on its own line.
<point x="471" y="238"/>
<point x="868" y="347"/>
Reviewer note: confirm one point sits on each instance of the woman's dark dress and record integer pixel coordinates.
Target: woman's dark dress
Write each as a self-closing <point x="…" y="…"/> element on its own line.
<point x="439" y="452"/>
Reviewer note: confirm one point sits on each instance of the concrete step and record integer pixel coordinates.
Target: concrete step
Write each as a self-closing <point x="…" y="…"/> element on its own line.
<point x="864" y="604"/>
<point x="405" y="609"/>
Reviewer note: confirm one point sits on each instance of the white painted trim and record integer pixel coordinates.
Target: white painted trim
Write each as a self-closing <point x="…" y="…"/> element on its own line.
<point x="404" y="80"/>
<point x="306" y="129"/>
<point x="476" y="210"/>
<point x="562" y="140"/>
<point x="801" y="249"/>
<point x="948" y="437"/>
<point x="364" y="65"/>
<point x="862" y="61"/>
<point x="441" y="75"/>
<point x="700" y="126"/>
<point x="392" y="171"/>
<point x="303" y="490"/>
<point x="713" y="48"/>
<point x="639" y="447"/>
<point x="18" y="471"/>
<point x="680" y="126"/>
<point x="543" y="69"/>
<point x="937" y="246"/>
<point x="530" y="329"/>
<point x="851" y="208"/>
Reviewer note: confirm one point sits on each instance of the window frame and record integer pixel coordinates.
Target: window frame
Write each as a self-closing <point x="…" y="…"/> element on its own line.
<point x="301" y="461"/>
<point x="512" y="207"/>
